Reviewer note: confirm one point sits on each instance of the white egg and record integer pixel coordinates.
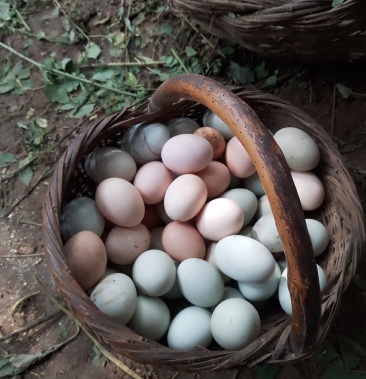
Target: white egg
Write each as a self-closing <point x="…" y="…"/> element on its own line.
<point x="263" y="207"/>
<point x="235" y="323"/>
<point x="151" y="318"/>
<point x="265" y="231"/>
<point x="213" y="121"/>
<point x="282" y="263"/>
<point x="244" y="259"/>
<point x="154" y="272"/>
<point x="210" y="258"/>
<point x="318" y="234"/>
<point x="190" y="328"/>
<point x="200" y="282"/>
<point x="254" y="184"/>
<point x="229" y="293"/>
<point x="116" y="296"/>
<point x="182" y="125"/>
<point x="300" y="150"/>
<point x="284" y="296"/>
<point x="246" y="200"/>
<point x="175" y="292"/>
<point x="263" y="290"/>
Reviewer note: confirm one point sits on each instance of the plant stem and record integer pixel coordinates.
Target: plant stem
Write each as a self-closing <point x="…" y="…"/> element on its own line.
<point x="124" y="64"/>
<point x="66" y="74"/>
<point x="178" y="58"/>
<point x="22" y="20"/>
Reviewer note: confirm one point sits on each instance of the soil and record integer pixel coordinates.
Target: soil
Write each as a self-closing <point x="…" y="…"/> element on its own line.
<point x="21" y="246"/>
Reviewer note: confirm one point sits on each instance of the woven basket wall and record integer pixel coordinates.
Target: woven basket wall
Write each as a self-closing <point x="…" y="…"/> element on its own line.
<point x="341" y="212"/>
<point x="310" y="30"/>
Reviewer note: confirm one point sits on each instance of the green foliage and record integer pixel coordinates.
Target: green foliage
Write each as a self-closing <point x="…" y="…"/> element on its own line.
<point x="14" y="80"/>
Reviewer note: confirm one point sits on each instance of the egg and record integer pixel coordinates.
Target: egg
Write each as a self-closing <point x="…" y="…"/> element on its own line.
<point x="210" y="258"/>
<point x="300" y="150"/>
<point x="151" y="318"/>
<point x="185" y="197"/>
<point x="212" y="120"/>
<point x="144" y="142"/>
<point x="124" y="245"/>
<point x="87" y="258"/>
<point x="187" y="153"/>
<point x="254" y="184"/>
<point x="152" y="180"/>
<point x="81" y="214"/>
<point x="284" y="296"/>
<point x="246" y="231"/>
<point x="154" y="273"/>
<point x="220" y="218"/>
<point x="200" y="282"/>
<point x="116" y="296"/>
<point x="182" y="125"/>
<point x="216" y="177"/>
<point x="263" y="207"/>
<point x="160" y="208"/>
<point x="238" y="160"/>
<point x="235" y="323"/>
<point x="244" y="259"/>
<point x="182" y="240"/>
<point x="120" y="202"/>
<point x="229" y="293"/>
<point x="318" y="234"/>
<point x="261" y="290"/>
<point x="215" y="138"/>
<point x="174" y="293"/>
<point x="190" y="328"/>
<point x="246" y="200"/>
<point x="110" y="162"/>
<point x="265" y="231"/>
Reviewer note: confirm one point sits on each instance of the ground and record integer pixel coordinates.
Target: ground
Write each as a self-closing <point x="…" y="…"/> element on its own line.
<point x="22" y="259"/>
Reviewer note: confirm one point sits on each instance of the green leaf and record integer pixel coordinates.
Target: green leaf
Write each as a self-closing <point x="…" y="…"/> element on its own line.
<point x="4" y="11"/>
<point x="83" y="111"/>
<point x="260" y="71"/>
<point x="190" y="51"/>
<point x="104" y="75"/>
<point x="70" y="85"/>
<point x="99" y="360"/>
<point x="102" y="20"/>
<point x="131" y="79"/>
<point x="243" y="75"/>
<point x="337" y="3"/>
<point x="344" y="91"/>
<point x="117" y="39"/>
<point x="271" y="80"/>
<point x="92" y="50"/>
<point x="66" y="64"/>
<point x="56" y="93"/>
<point x="165" y="28"/>
<point x="6" y="159"/>
<point x="41" y="122"/>
<point x="267" y="371"/>
<point x="26" y="176"/>
<point x="8" y="86"/>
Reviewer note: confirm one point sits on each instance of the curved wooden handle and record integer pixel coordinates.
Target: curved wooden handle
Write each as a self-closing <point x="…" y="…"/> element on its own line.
<point x="276" y="178"/>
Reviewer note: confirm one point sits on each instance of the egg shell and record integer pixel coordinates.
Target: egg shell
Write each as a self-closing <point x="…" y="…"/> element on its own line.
<point x="116" y="296"/>
<point x="144" y="142"/>
<point x="110" y="162"/>
<point x="235" y="323"/>
<point x="152" y="180"/>
<point x="210" y="119"/>
<point x="156" y="235"/>
<point x="216" y="177"/>
<point x="87" y="258"/>
<point x="151" y="217"/>
<point x="151" y="318"/>
<point x="182" y="240"/>
<point x="246" y="200"/>
<point x="284" y="296"/>
<point x="318" y="234"/>
<point x="187" y="153"/>
<point x="81" y="214"/>
<point x="309" y="188"/>
<point x="263" y="207"/>
<point x="185" y="197"/>
<point x="238" y="160"/>
<point x="229" y="293"/>
<point x="215" y="138"/>
<point x="174" y="293"/>
<point x="200" y="282"/>
<point x="162" y="213"/>
<point x="254" y="184"/>
<point x="300" y="150"/>
<point x="154" y="273"/>
<point x="124" y="245"/>
<point x="263" y="290"/>
<point x="265" y="231"/>
<point x="210" y="258"/>
<point x="120" y="202"/>
<point x="190" y="328"/>
<point x="244" y="259"/>
<point x="182" y="125"/>
<point x="220" y="218"/>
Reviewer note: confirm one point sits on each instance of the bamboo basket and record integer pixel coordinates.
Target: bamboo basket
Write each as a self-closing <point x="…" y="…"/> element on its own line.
<point x="309" y="30"/>
<point x="251" y="115"/>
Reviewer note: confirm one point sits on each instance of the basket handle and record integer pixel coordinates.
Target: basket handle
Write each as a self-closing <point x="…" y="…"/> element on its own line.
<point x="276" y="179"/>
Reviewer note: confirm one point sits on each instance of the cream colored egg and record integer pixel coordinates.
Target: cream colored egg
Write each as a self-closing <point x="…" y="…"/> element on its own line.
<point x="238" y="160"/>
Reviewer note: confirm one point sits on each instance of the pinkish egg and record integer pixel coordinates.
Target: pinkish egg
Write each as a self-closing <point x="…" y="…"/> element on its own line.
<point x="238" y="160"/>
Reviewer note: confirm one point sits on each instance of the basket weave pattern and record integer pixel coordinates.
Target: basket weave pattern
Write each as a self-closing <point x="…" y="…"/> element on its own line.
<point x="310" y="30"/>
<point x="341" y="212"/>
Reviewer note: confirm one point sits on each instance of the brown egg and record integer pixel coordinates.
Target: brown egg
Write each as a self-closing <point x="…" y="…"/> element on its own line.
<point x="87" y="258"/>
<point x="215" y="138"/>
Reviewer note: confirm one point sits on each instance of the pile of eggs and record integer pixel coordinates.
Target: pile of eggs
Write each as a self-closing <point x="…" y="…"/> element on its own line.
<point x="180" y="213"/>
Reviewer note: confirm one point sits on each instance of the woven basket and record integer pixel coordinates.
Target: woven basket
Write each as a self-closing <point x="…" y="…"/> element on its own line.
<point x="311" y="30"/>
<point x="249" y="114"/>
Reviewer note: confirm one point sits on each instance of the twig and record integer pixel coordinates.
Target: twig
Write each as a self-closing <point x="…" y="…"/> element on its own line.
<point x="23" y="255"/>
<point x="104" y="351"/>
<point x="66" y="74"/>
<point x="30" y="223"/>
<point x="30" y="326"/>
<point x="21" y="300"/>
<point x="22" y="20"/>
<point x="178" y="58"/>
<point x="124" y="64"/>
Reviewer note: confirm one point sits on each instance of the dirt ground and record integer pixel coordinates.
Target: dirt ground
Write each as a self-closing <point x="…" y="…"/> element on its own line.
<point x="21" y="247"/>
